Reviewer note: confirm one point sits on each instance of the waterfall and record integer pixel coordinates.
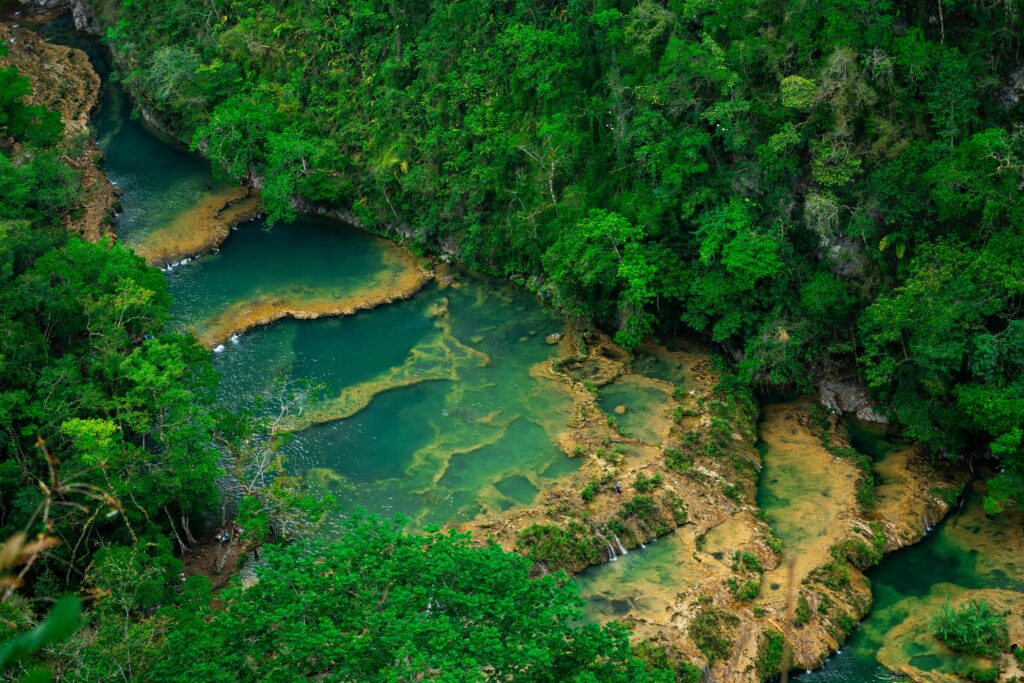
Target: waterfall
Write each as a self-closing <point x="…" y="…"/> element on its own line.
<point x="642" y="546"/>
<point x="622" y="548"/>
<point x="611" y="551"/>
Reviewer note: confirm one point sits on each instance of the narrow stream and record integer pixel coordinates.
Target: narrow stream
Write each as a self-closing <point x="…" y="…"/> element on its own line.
<point x="966" y="551"/>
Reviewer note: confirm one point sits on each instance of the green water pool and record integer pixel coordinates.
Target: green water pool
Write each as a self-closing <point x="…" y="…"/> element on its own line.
<point x="459" y="434"/>
<point x="307" y="259"/>
<point x="965" y="551"/>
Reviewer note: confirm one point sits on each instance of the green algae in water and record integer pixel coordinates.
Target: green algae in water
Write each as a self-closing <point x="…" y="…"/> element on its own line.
<point x="518" y="488"/>
<point x="436" y="451"/>
<point x="309" y="258"/>
<point x="642" y="583"/>
<point x="801" y="489"/>
<point x="787" y="489"/>
<point x="646" y="407"/>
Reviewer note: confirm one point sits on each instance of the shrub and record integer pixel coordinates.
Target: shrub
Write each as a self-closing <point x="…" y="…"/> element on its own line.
<point x="711" y="632"/>
<point x="743" y="591"/>
<point x="747" y="562"/>
<point x="677" y="460"/>
<point x="770" y="654"/>
<point x="645" y="484"/>
<point x="677" y="507"/>
<point x="803" y="610"/>
<point x="835" y="574"/>
<point x="858" y="552"/>
<point x="972" y="628"/>
<point x="734" y="492"/>
<point x="594" y="486"/>
<point x="558" y="548"/>
<point x="661" y="657"/>
<point x="642" y="507"/>
<point x="980" y="675"/>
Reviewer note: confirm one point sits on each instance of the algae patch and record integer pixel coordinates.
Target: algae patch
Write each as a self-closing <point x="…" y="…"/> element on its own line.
<point x="198" y="229"/>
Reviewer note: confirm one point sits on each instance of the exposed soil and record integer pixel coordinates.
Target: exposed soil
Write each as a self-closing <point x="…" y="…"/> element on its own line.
<point x="215" y="560"/>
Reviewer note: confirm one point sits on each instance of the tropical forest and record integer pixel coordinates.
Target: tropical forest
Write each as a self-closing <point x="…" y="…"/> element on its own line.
<point x="519" y="341"/>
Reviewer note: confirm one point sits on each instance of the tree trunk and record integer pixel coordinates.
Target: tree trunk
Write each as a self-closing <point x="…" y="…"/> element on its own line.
<point x="187" y="530"/>
<point x="170" y="520"/>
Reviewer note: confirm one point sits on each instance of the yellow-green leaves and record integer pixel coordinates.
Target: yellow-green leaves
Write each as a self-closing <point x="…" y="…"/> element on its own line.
<point x="95" y="441"/>
<point x="798" y="93"/>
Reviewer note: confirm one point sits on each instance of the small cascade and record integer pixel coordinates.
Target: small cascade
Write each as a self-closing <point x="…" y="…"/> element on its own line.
<point x="642" y="546"/>
<point x="611" y="551"/>
<point x="622" y="548"/>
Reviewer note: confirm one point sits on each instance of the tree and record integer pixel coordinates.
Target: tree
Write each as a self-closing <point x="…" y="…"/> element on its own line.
<point x="945" y="350"/>
<point x="382" y="604"/>
<point x="601" y="258"/>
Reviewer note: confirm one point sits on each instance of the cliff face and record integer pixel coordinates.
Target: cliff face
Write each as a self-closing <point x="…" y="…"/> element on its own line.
<point x="63" y="80"/>
<point x="85" y="18"/>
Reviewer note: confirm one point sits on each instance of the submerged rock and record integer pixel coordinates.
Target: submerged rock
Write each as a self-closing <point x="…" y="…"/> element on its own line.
<point x="553" y="338"/>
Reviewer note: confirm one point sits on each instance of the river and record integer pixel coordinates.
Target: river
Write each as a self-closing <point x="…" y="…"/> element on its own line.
<point x="429" y="405"/>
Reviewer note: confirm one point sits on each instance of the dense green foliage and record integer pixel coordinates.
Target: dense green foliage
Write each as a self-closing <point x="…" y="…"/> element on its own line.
<point x="111" y="443"/>
<point x="106" y="420"/>
<point x="382" y="604"/>
<point x="973" y="628"/>
<point x="771" y="655"/>
<point x="818" y="187"/>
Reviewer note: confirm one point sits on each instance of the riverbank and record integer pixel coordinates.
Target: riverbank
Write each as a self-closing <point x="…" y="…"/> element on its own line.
<point x="735" y="586"/>
<point x="63" y="80"/>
